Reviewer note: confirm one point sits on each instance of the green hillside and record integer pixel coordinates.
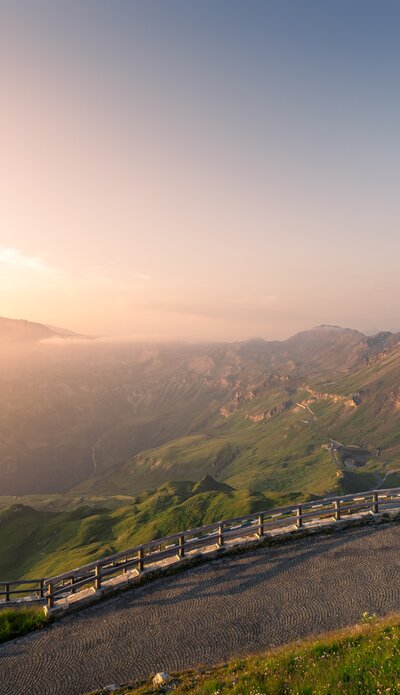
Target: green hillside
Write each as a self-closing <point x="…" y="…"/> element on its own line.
<point x="312" y="439"/>
<point x="37" y="543"/>
<point x="267" y="426"/>
<point x="69" y="413"/>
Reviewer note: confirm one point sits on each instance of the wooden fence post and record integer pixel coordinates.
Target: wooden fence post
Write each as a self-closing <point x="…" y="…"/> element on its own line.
<point x="97" y="577"/>
<point x="140" y="560"/>
<point x="261" y="525"/>
<point x="375" y="503"/>
<point x="181" y="550"/>
<point x="299" y="516"/>
<point x="7" y="589"/>
<point x="337" y="510"/>
<point x="221" y="534"/>
<point x="50" y="595"/>
<point x="72" y="585"/>
<point x="41" y="588"/>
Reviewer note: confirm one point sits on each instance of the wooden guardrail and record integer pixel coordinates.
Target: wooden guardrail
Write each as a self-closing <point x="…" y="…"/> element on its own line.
<point x="36" y="588"/>
<point x="179" y="544"/>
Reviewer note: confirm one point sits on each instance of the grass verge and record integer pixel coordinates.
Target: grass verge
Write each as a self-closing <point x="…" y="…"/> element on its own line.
<point x="363" y="660"/>
<point x="18" y="621"/>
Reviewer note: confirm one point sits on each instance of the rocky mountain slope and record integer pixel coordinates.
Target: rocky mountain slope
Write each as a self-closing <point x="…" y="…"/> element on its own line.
<point x="70" y="413"/>
<point x="251" y="425"/>
<point x="300" y="433"/>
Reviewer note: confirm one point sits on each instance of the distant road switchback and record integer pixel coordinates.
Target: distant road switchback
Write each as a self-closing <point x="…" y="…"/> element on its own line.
<point x="229" y="607"/>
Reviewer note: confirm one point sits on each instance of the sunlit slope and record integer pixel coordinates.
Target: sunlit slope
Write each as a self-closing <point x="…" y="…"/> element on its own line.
<point x="39" y="543"/>
<point x="280" y="442"/>
<point x="287" y="444"/>
<point x="278" y="454"/>
<point x="68" y="411"/>
<point x="376" y="419"/>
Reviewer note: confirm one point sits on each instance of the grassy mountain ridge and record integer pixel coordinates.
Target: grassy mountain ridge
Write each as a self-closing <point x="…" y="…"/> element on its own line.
<point x="252" y="425"/>
<point x="39" y="542"/>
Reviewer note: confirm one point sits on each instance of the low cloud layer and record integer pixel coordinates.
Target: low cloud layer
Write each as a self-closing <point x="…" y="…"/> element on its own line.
<point x="15" y="257"/>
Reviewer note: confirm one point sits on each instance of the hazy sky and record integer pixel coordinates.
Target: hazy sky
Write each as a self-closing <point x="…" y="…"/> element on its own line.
<point x="200" y="168"/>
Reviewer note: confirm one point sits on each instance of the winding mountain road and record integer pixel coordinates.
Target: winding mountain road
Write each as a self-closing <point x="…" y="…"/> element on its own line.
<point x="228" y="607"/>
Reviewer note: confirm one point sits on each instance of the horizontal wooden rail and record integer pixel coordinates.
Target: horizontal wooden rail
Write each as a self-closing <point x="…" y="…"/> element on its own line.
<point x="178" y="545"/>
<point x="12" y="588"/>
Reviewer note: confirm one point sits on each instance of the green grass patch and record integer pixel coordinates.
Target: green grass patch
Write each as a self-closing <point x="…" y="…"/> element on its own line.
<point x="38" y="543"/>
<point x="18" y="621"/>
<point x="363" y="660"/>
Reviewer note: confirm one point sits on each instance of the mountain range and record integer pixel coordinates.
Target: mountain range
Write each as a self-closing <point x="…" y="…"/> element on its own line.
<point x="113" y="440"/>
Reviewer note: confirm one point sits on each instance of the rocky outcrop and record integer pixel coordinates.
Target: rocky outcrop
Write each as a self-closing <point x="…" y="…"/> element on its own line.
<point x="238" y="400"/>
<point x="150" y="462"/>
<point x="268" y="414"/>
<point x="333" y="397"/>
<point x="394" y="397"/>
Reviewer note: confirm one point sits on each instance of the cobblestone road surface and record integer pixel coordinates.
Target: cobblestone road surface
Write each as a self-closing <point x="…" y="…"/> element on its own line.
<point x="229" y="607"/>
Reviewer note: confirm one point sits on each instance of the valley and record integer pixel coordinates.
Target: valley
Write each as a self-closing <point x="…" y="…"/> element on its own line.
<point x="105" y="446"/>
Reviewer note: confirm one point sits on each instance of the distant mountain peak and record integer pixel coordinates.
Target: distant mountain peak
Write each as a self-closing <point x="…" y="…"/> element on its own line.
<point x="23" y="331"/>
<point x="330" y="327"/>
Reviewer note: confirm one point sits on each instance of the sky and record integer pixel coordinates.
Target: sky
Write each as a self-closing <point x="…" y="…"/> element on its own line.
<point x="213" y="169"/>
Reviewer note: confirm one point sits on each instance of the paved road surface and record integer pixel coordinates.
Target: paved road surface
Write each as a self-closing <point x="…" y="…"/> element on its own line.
<point x="209" y="613"/>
